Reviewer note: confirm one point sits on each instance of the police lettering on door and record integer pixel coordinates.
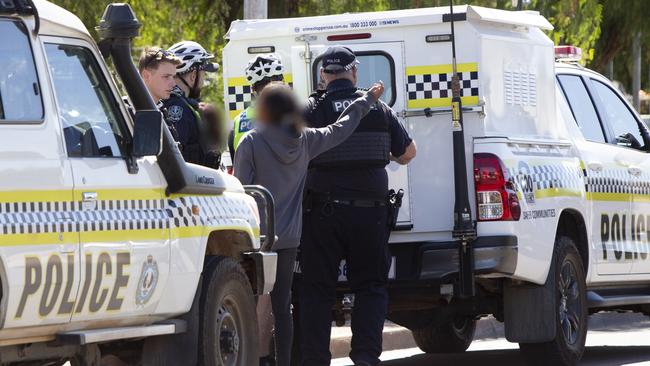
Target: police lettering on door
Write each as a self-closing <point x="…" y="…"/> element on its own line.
<point x="105" y="275"/>
<point x="626" y="236"/>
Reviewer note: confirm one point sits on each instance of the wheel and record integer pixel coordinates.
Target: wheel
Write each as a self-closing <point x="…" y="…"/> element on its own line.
<point x="228" y="328"/>
<point x="571" y="315"/>
<point x="453" y="336"/>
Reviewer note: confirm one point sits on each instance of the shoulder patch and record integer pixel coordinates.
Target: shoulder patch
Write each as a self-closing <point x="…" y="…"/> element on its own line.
<point x="175" y="113"/>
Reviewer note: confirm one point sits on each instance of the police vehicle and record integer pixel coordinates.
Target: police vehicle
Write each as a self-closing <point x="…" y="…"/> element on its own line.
<point x="558" y="179"/>
<point x="110" y="244"/>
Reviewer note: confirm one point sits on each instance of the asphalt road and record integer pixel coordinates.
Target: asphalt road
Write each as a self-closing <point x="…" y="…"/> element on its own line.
<point x="620" y="347"/>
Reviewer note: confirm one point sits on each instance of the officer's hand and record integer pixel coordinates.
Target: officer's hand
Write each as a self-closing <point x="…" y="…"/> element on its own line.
<point x="207" y="107"/>
<point x="377" y="89"/>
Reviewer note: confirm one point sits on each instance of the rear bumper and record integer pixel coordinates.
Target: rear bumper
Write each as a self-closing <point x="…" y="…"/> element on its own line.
<point x="439" y="261"/>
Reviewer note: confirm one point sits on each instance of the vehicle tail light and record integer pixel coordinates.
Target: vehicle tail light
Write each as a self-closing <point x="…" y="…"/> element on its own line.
<point x="496" y="197"/>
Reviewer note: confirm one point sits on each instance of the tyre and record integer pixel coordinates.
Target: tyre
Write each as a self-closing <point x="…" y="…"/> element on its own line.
<point x="453" y="336"/>
<point x="228" y="328"/>
<point x="571" y="315"/>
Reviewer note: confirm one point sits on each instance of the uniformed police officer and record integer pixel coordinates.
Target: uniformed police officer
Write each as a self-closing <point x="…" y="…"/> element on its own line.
<point x="260" y="71"/>
<point x="346" y="216"/>
<point x="183" y="110"/>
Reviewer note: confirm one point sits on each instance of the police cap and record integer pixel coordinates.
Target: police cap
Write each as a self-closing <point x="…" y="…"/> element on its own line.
<point x="338" y="59"/>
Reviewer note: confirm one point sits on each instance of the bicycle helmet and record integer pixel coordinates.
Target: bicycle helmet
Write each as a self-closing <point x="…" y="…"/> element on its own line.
<point x="193" y="57"/>
<point x="263" y="66"/>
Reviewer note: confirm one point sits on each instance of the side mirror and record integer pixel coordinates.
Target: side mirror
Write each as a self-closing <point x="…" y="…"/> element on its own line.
<point x="147" y="133"/>
<point x="628" y="140"/>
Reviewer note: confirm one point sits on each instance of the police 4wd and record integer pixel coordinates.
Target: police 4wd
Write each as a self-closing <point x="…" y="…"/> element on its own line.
<point x="555" y="163"/>
<point x="107" y="236"/>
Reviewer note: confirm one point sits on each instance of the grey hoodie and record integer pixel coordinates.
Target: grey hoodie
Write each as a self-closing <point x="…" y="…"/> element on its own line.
<point x="271" y="157"/>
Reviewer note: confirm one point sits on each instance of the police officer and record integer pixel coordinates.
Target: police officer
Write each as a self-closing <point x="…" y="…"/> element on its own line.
<point x="346" y="217"/>
<point x="183" y="110"/>
<point x="260" y="71"/>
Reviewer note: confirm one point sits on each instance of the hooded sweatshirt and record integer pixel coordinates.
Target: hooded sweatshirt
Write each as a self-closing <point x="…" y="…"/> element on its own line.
<point x="274" y="158"/>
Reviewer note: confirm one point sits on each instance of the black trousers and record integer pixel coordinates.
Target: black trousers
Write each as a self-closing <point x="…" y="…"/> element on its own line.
<point x="359" y="235"/>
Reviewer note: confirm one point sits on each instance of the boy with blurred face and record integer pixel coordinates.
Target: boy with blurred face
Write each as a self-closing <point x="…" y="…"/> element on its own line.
<point x="158" y="68"/>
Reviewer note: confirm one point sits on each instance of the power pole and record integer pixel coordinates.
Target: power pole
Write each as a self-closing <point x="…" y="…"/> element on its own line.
<point x="636" y="73"/>
<point x="256" y="9"/>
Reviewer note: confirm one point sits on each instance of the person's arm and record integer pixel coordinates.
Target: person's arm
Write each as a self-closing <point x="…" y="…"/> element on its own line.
<point x="409" y="154"/>
<point x="244" y="166"/>
<point x="231" y="146"/>
<point x="322" y="139"/>
<point x="402" y="147"/>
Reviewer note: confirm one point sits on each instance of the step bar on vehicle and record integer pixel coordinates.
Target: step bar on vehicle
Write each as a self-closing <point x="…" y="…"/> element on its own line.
<point x="595" y="300"/>
<point x="80" y="337"/>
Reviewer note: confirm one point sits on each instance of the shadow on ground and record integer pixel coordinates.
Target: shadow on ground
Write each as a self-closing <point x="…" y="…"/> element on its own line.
<point x="594" y="356"/>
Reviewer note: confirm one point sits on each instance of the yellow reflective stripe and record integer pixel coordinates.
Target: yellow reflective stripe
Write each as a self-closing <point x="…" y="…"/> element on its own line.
<point x="124" y="194"/>
<point x="598" y="196"/>
<point x="440" y="102"/>
<point x="9" y="240"/>
<point x="108" y="236"/>
<point x="557" y="192"/>
<point x="441" y="69"/>
<point x="35" y="196"/>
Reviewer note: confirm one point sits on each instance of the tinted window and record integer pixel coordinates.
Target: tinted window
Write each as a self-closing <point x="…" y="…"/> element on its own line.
<point x="87" y="108"/>
<point x="374" y="66"/>
<point x="582" y="107"/>
<point x="619" y="117"/>
<point x="20" y="98"/>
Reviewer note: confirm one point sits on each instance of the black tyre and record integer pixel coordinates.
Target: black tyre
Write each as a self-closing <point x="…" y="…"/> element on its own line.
<point x="228" y="329"/>
<point x="454" y="336"/>
<point x="571" y="315"/>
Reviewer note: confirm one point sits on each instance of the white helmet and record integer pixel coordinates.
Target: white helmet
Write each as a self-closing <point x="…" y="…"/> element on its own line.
<point x="193" y="57"/>
<point x="263" y="66"/>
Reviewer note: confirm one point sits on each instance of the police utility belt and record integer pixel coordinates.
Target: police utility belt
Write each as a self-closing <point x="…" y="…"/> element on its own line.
<point x="393" y="201"/>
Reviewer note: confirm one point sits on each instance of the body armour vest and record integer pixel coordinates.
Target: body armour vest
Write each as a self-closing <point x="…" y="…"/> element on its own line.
<point x="367" y="147"/>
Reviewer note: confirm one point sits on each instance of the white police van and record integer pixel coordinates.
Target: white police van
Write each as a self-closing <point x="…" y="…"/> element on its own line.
<point x="107" y="237"/>
<point x="556" y="164"/>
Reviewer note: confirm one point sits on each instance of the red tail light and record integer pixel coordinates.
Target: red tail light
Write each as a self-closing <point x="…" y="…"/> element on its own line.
<point x="496" y="197"/>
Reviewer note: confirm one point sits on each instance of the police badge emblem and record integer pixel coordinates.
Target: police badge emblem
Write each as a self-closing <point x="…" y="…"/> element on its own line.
<point x="147" y="282"/>
<point x="175" y="113"/>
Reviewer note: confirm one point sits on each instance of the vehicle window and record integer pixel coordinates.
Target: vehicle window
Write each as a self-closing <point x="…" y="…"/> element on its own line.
<point x="88" y="111"/>
<point x="619" y="116"/>
<point x="373" y="66"/>
<point x="582" y="107"/>
<point x="20" y="98"/>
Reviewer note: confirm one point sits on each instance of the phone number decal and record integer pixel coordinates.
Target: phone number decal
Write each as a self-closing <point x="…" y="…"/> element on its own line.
<point x="352" y="25"/>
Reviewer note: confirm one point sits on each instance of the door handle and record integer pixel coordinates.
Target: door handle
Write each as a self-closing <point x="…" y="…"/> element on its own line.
<point x="89" y="196"/>
<point x="89" y="200"/>
<point x="595" y="166"/>
<point x="635" y="171"/>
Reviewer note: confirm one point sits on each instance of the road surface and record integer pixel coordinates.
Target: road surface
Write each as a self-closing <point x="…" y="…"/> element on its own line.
<point x="627" y="346"/>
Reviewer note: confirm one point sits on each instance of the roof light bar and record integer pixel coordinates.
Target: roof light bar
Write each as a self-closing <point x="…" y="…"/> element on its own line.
<point x="348" y="37"/>
<point x="568" y="53"/>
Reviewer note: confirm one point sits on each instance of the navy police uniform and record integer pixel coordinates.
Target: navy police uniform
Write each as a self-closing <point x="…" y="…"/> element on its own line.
<point x="346" y="217"/>
<point x="184" y="119"/>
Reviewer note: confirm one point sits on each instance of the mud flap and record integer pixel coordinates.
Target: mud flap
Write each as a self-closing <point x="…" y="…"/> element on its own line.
<point x="176" y="349"/>
<point x="530" y="311"/>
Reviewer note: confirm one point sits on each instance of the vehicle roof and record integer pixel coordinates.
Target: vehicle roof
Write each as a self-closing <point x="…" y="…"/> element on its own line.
<point x="265" y="28"/>
<point x="576" y="69"/>
<point x="57" y="21"/>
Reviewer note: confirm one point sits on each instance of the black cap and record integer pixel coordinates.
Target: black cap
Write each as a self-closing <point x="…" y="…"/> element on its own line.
<point x="338" y="59"/>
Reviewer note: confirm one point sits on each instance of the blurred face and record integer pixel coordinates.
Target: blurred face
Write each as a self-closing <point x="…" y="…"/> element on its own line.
<point x="160" y="81"/>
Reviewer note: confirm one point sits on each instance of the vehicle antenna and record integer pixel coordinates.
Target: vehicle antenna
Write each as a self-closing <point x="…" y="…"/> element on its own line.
<point x="464" y="227"/>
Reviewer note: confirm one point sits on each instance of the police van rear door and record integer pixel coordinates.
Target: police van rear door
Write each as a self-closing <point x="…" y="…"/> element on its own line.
<point x="378" y="61"/>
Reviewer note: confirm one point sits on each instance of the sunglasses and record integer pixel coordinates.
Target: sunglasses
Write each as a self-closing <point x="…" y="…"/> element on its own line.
<point x="159" y="55"/>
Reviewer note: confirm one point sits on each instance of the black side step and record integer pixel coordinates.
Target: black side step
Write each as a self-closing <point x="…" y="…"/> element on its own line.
<point x="596" y="300"/>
